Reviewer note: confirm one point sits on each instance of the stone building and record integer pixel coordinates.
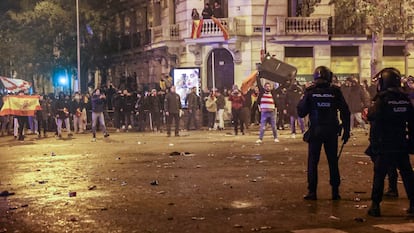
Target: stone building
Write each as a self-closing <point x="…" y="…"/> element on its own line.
<point x="155" y="36"/>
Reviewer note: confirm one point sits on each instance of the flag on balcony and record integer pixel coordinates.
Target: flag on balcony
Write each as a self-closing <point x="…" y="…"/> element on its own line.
<point x="196" y="29"/>
<point x="222" y="27"/>
<point x="20" y="105"/>
<point x="248" y="82"/>
<point x="14" y="84"/>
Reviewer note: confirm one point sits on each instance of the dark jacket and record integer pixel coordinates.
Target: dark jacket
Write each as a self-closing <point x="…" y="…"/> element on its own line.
<point x="207" y="13"/>
<point x="62" y="108"/>
<point x="76" y="106"/>
<point x="392" y="120"/>
<point x="193" y="101"/>
<point x="172" y="103"/>
<point x="154" y="103"/>
<point x="294" y="93"/>
<point x="322" y="102"/>
<point x="98" y="103"/>
<point x="355" y="97"/>
<point x="221" y="102"/>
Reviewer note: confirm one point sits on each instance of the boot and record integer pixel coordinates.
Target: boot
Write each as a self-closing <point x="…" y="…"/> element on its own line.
<point x="391" y="193"/>
<point x="311" y="196"/>
<point x="335" y="194"/>
<point x="374" y="210"/>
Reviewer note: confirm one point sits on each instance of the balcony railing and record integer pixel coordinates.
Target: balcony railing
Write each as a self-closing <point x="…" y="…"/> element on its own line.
<point x="165" y="33"/>
<point x="211" y="29"/>
<point x="302" y="26"/>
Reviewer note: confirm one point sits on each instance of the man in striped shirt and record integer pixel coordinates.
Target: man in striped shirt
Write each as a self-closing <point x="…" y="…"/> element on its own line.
<point x="267" y="107"/>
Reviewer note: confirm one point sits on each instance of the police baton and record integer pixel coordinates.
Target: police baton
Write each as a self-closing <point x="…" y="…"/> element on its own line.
<point x="340" y="151"/>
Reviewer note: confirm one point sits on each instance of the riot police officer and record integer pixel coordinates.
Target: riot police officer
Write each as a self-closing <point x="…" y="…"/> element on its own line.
<point x="391" y="136"/>
<point x="321" y="101"/>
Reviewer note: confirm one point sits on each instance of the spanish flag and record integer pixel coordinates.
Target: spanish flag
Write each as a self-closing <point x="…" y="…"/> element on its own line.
<point x="196" y="28"/>
<point x="248" y="82"/>
<point x="222" y="27"/>
<point x="21" y="105"/>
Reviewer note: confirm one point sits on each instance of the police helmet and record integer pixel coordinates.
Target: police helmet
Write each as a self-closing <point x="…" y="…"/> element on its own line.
<point x="387" y="78"/>
<point x="323" y="73"/>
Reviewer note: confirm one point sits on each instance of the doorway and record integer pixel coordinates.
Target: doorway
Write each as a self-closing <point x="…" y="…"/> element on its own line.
<point x="223" y="69"/>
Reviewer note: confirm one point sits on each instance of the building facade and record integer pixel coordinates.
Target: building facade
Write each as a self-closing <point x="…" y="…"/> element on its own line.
<point x="155" y="36"/>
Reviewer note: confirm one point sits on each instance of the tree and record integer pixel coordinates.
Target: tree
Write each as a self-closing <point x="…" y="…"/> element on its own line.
<point x="381" y="15"/>
<point x="41" y="35"/>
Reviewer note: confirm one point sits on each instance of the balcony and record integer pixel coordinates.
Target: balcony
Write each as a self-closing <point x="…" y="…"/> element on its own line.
<point x="160" y="34"/>
<point x="293" y="26"/>
<point x="211" y="30"/>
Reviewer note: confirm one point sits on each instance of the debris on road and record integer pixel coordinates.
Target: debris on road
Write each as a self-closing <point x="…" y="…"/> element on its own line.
<point x="6" y="194"/>
<point x="261" y="228"/>
<point x="42" y="181"/>
<point x="237" y="226"/>
<point x="154" y="182"/>
<point x="92" y="187"/>
<point x="124" y="183"/>
<point x="361" y="206"/>
<point x="176" y="153"/>
<point x="53" y="154"/>
<point x="198" y="218"/>
<point x="334" y="217"/>
<point x="360" y="220"/>
<point x="72" y="194"/>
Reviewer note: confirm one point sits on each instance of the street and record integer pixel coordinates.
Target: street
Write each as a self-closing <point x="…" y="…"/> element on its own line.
<point x="202" y="181"/>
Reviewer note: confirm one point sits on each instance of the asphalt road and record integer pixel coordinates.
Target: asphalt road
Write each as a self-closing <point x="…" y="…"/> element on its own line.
<point x="202" y="181"/>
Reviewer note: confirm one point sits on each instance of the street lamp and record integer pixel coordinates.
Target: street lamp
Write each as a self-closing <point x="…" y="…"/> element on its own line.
<point x="78" y="46"/>
<point x="263" y="51"/>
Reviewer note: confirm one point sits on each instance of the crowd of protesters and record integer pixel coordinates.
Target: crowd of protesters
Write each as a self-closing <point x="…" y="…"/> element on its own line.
<point x="125" y="110"/>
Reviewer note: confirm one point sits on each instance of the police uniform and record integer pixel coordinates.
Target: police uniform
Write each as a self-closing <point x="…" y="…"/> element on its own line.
<point x="391" y="136"/>
<point x="321" y="102"/>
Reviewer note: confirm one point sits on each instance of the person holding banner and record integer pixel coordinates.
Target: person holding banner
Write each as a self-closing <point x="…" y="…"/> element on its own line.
<point x="21" y="120"/>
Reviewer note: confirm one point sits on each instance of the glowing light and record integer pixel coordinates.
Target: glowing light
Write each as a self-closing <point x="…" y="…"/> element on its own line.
<point x="63" y="80"/>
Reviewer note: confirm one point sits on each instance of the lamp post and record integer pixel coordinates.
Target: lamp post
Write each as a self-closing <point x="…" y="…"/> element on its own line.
<point x="263" y="51"/>
<point x="78" y="46"/>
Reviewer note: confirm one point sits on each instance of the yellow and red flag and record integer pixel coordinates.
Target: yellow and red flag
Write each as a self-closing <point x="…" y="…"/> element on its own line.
<point x="196" y="28"/>
<point x="222" y="27"/>
<point x="20" y="105"/>
<point x="248" y="82"/>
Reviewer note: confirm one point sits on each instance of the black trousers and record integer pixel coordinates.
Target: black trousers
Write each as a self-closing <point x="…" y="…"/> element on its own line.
<point x="22" y="123"/>
<point x="382" y="163"/>
<point x="192" y="118"/>
<point x="176" y="118"/>
<point x="330" y="143"/>
<point x="237" y="120"/>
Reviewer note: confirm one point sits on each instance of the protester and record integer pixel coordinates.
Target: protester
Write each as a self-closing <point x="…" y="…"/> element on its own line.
<point x="211" y="106"/>
<point x="193" y="105"/>
<point x="98" y="104"/>
<point x="237" y="100"/>
<point x="207" y="11"/>
<point x="172" y="108"/>
<point x="267" y="107"/>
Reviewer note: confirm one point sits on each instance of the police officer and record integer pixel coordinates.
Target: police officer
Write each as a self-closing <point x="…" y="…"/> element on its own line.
<point x="321" y="101"/>
<point x="391" y="136"/>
